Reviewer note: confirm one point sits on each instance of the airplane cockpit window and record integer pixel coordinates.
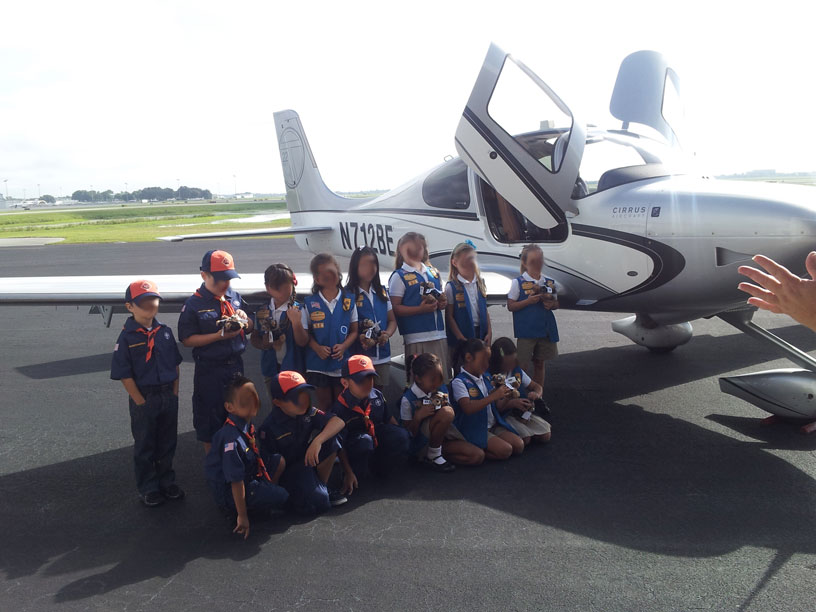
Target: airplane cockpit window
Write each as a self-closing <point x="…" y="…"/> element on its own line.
<point x="507" y="224"/>
<point x="523" y="105"/>
<point x="447" y="186"/>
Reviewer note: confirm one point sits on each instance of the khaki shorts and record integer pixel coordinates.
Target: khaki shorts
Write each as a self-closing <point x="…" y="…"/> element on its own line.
<point x="535" y="349"/>
<point x="496" y="430"/>
<point x="383" y="374"/>
<point x="437" y="347"/>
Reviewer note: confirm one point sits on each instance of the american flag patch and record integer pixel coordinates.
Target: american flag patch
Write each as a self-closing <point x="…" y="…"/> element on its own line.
<point x="228" y="447"/>
<point x="116" y="347"/>
<point x="183" y="308"/>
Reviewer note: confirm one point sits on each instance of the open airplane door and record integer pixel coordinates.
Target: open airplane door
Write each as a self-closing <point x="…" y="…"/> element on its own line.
<point x="522" y="139"/>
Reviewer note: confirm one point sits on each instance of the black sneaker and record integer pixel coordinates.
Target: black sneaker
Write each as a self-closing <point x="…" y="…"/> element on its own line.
<point x="438" y="466"/>
<point x="336" y="498"/>
<point x="542" y="409"/>
<point x="173" y="492"/>
<point x="152" y="499"/>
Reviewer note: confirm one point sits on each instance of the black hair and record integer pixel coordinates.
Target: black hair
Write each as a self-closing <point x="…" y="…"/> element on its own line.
<point x="277" y="274"/>
<point x="420" y="365"/>
<point x="237" y="381"/>
<point x="353" y="284"/>
<point x="471" y="346"/>
<point x="501" y="348"/>
<point x="314" y="267"/>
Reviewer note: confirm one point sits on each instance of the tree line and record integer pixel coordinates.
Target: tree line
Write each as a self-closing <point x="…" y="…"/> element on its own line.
<point x="148" y="193"/>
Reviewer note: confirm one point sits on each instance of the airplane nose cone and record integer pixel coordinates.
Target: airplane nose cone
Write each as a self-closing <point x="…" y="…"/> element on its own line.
<point x="789" y="393"/>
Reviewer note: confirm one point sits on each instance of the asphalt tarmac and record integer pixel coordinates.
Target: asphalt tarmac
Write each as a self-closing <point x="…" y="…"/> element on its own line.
<point x="657" y="492"/>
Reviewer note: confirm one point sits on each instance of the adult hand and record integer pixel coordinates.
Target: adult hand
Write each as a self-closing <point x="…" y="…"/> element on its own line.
<point x="781" y="291"/>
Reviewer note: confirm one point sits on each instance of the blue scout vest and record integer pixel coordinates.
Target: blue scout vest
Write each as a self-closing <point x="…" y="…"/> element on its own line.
<point x="420" y="323"/>
<point x="295" y="358"/>
<point x="534" y="321"/>
<point x="474" y="426"/>
<point x="419" y="440"/>
<point x="463" y="315"/>
<point x="377" y="312"/>
<point x="328" y="328"/>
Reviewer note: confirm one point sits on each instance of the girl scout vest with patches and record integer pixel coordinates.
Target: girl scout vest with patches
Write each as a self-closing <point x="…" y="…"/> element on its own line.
<point x="328" y="328"/>
<point x="419" y="323"/>
<point x="474" y="426"/>
<point x="419" y="441"/>
<point x="533" y="321"/>
<point x="463" y="314"/>
<point x="378" y="312"/>
<point x="295" y="357"/>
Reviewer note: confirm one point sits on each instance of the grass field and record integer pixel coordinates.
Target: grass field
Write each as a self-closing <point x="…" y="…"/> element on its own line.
<point x="136" y="223"/>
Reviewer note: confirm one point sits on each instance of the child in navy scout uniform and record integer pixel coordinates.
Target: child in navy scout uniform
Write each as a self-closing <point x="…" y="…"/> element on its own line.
<point x="216" y="350"/>
<point x="420" y="314"/>
<point x="305" y="439"/>
<point x="241" y="482"/>
<point x="372" y="441"/>
<point x="466" y="314"/>
<point x="330" y="317"/>
<point x="146" y="359"/>
<point x="278" y="331"/>
<point x="523" y="416"/>
<point x="478" y="416"/>
<point x="435" y="440"/>
<point x="531" y="299"/>
<point x="374" y="305"/>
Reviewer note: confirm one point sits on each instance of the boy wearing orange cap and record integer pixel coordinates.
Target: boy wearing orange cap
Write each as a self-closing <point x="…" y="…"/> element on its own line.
<point x="213" y="323"/>
<point x="146" y="359"/>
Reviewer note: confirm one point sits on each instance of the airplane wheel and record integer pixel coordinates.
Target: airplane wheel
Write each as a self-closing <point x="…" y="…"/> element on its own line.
<point x="661" y="349"/>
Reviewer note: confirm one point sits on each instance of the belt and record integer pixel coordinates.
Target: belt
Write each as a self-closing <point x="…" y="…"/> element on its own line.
<point x="151" y="389"/>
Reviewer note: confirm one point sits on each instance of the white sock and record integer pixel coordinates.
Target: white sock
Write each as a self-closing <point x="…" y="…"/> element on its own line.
<point x="434" y="452"/>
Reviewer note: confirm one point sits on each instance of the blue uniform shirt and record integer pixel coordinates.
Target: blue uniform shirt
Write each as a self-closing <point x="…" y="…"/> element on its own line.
<point x="290" y="436"/>
<point x="230" y="458"/>
<point x="131" y="350"/>
<point x="355" y="423"/>
<point x="199" y="315"/>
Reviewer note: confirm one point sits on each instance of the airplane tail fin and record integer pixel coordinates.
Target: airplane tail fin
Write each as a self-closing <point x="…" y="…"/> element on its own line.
<point x="305" y="189"/>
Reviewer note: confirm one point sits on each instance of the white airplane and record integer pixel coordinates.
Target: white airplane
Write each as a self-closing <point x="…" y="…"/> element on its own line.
<point x="623" y="226"/>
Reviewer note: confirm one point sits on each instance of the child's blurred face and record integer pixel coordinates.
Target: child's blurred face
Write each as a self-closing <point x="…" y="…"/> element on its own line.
<point x="412" y="250"/>
<point x="144" y="309"/>
<point x="509" y="362"/>
<point x="477" y="363"/>
<point x="360" y="390"/>
<point x="245" y="403"/>
<point x="327" y="276"/>
<point x="295" y="407"/>
<point x="535" y="261"/>
<point x="431" y="380"/>
<point x="216" y="287"/>
<point x="367" y="268"/>
<point x="465" y="263"/>
<point x="280" y="293"/>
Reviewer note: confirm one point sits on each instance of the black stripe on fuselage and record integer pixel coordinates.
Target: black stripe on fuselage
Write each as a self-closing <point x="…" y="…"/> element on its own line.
<point x="434" y="212"/>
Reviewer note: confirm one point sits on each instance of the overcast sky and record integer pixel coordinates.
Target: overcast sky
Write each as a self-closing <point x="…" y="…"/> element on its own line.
<point x="108" y="93"/>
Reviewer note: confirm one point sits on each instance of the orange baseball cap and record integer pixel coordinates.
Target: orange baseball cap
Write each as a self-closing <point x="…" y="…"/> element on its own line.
<point x="287" y="384"/>
<point x="141" y="289"/>
<point x="220" y="264"/>
<point x="358" y="367"/>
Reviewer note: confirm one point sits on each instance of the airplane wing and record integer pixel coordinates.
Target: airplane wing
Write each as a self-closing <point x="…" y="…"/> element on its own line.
<point x="105" y="294"/>
<point x="277" y="231"/>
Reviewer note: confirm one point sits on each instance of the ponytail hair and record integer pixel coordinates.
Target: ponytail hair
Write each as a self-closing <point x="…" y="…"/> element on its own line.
<point x="471" y="346"/>
<point x="314" y="267"/>
<point x="461" y="249"/>
<point x="278" y="274"/>
<point x="419" y="365"/>
<point x="525" y="252"/>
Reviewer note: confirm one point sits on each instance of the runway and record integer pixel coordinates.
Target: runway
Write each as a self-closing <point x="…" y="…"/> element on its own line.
<point x="657" y="492"/>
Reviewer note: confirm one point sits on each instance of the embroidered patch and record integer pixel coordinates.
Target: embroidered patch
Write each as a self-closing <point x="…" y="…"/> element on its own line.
<point x="410" y="276"/>
<point x="116" y="347"/>
<point x="317" y="315"/>
<point x="473" y="392"/>
<point x="229" y="446"/>
<point x="346" y="304"/>
<point x="413" y="282"/>
<point x="343" y="329"/>
<point x="315" y="304"/>
<point x="184" y="307"/>
<point x="318" y="325"/>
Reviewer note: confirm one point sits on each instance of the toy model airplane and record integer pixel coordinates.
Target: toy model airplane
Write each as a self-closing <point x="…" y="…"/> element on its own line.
<point x="622" y="225"/>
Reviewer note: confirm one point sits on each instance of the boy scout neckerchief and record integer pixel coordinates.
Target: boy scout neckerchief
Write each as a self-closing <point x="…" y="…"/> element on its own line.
<point x="150" y="339"/>
<point x="250" y="440"/>
<point x="365" y="412"/>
